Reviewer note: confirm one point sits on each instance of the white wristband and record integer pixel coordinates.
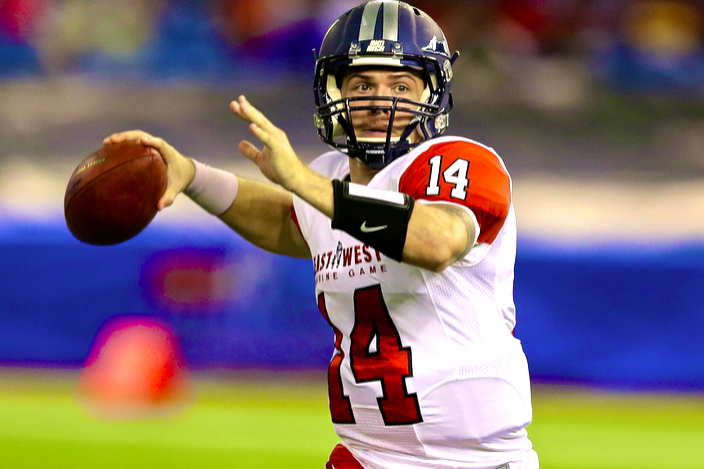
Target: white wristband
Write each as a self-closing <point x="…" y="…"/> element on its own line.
<point x="213" y="189"/>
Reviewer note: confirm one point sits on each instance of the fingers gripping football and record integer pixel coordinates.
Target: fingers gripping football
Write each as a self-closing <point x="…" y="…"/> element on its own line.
<point x="179" y="169"/>
<point x="277" y="160"/>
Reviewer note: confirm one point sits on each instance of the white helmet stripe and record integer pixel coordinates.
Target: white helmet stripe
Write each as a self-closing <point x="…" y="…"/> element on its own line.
<point x="366" y="29"/>
<point x="391" y="21"/>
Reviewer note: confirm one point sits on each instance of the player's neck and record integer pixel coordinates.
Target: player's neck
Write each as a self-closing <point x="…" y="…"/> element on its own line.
<point x="360" y="173"/>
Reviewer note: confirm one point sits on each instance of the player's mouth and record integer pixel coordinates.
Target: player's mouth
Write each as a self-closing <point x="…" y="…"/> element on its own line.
<point x="375" y="130"/>
<point x="374" y="133"/>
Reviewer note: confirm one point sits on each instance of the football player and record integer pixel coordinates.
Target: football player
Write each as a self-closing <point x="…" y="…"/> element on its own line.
<point x="413" y="239"/>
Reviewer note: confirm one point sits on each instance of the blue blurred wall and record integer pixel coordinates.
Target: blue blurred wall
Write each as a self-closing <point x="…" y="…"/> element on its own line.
<point x="614" y="316"/>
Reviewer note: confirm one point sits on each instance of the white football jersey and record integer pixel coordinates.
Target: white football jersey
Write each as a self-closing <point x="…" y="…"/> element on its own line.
<point x="426" y="371"/>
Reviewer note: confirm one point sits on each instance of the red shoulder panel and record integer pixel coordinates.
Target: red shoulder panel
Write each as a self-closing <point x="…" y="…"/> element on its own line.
<point x="464" y="173"/>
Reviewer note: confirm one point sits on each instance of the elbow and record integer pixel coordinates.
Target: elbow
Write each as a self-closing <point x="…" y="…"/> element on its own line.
<point x="440" y="258"/>
<point x="442" y="263"/>
<point x="437" y="250"/>
<point x="445" y="253"/>
<point x="438" y="267"/>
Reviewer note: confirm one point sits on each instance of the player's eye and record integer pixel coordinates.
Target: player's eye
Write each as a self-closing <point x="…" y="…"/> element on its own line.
<point x="363" y="87"/>
<point x="402" y="89"/>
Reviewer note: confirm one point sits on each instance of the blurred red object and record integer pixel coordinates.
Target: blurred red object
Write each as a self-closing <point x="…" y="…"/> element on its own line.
<point x="540" y="26"/>
<point x="17" y="17"/>
<point x="191" y="281"/>
<point x="135" y="367"/>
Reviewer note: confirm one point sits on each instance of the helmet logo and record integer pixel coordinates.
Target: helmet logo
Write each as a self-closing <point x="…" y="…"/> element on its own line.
<point x="376" y="46"/>
<point x="438" y="46"/>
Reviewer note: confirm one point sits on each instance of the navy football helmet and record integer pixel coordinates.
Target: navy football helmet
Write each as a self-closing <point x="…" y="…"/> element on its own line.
<point x="383" y="34"/>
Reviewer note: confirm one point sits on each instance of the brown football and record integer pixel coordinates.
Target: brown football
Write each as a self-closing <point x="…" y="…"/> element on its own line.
<point x="112" y="194"/>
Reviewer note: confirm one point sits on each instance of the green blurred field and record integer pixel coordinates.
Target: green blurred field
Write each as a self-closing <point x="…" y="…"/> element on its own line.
<point x="248" y="420"/>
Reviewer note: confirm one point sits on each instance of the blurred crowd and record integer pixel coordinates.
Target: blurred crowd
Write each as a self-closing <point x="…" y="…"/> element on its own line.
<point x="641" y="46"/>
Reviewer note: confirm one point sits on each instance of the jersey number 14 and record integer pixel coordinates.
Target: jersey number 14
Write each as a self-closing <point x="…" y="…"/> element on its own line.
<point x="376" y="354"/>
<point x="455" y="174"/>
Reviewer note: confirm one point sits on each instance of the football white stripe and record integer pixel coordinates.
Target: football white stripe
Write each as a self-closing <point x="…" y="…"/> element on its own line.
<point x="366" y="29"/>
<point x="391" y="21"/>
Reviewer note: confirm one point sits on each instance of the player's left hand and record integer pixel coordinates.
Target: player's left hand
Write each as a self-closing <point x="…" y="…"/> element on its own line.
<point x="277" y="160"/>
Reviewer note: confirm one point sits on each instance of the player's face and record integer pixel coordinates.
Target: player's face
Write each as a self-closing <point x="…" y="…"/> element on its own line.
<point x="379" y="82"/>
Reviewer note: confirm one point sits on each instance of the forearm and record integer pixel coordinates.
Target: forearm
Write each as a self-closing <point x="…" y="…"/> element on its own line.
<point x="261" y="214"/>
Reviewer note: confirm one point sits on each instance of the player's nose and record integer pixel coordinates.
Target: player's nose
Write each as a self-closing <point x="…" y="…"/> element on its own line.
<point x="381" y="92"/>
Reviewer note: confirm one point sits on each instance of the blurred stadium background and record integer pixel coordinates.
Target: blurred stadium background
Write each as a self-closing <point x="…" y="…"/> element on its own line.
<point x="596" y="106"/>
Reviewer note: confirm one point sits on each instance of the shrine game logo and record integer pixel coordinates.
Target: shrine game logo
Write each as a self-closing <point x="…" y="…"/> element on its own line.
<point x="353" y="261"/>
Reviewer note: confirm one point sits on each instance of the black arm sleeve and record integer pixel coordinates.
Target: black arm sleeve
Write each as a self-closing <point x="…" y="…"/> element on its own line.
<point x="377" y="218"/>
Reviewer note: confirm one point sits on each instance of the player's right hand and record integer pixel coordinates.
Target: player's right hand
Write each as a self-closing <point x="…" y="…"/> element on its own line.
<point x="277" y="160"/>
<point x="179" y="169"/>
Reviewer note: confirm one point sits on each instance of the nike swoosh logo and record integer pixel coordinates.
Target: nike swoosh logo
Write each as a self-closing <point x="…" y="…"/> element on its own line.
<point x="372" y="229"/>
